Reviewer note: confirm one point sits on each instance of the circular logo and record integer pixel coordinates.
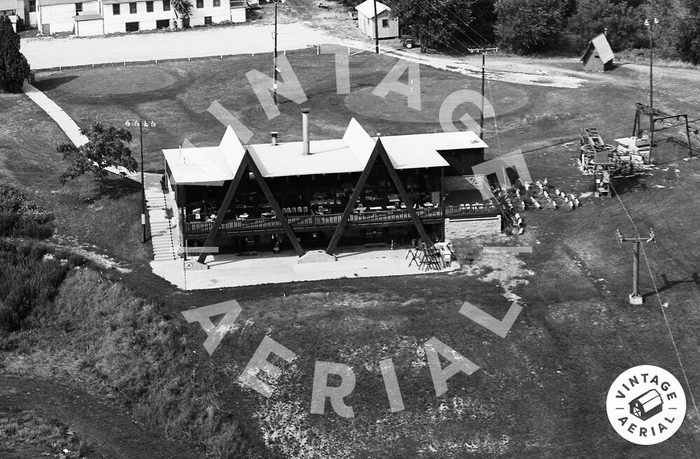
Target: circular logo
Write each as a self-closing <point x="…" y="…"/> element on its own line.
<point x="646" y="405"/>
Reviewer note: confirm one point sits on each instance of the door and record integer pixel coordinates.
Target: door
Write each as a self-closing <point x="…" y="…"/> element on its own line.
<point x="46" y="29"/>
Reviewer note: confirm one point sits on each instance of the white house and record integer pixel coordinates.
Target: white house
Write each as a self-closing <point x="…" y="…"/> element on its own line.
<point x="14" y="9"/>
<point x="388" y="26"/>
<point x="97" y="17"/>
<point x="56" y="16"/>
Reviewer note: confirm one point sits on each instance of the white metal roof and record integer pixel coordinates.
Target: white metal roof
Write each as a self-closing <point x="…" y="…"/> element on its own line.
<point x="214" y="165"/>
<point x="367" y="8"/>
<point x="601" y="45"/>
<point x="288" y="159"/>
<point x="420" y="150"/>
<point x="210" y="166"/>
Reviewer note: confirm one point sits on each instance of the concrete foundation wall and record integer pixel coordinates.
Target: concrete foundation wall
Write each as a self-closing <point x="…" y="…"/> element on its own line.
<point x="461" y="228"/>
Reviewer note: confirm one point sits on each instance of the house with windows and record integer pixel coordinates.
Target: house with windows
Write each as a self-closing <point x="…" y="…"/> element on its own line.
<point x="58" y="16"/>
<point x="98" y="17"/>
<point x="14" y="9"/>
<point x="388" y="26"/>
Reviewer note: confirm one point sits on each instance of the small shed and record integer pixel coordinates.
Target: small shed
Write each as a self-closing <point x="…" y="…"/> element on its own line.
<point x="388" y="26"/>
<point x="647" y="405"/>
<point x="598" y="56"/>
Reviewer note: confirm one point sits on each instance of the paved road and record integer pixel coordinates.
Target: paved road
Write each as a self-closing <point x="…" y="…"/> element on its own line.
<point x="112" y="433"/>
<point x="240" y="39"/>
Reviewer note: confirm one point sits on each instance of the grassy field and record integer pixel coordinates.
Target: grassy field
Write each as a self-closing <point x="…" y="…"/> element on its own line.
<point x="104" y="220"/>
<point x="539" y="392"/>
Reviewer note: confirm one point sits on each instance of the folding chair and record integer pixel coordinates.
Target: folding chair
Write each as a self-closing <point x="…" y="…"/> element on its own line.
<point x="416" y="256"/>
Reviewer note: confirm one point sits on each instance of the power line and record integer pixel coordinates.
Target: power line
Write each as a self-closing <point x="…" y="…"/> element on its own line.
<point x="469" y="27"/>
<point x="658" y="297"/>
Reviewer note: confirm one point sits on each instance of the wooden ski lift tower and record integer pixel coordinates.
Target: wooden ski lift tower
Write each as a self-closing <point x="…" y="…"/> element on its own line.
<point x="635" y="298"/>
<point x="657" y="116"/>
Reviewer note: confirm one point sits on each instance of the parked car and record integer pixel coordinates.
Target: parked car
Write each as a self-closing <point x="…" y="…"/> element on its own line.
<point x="409" y="41"/>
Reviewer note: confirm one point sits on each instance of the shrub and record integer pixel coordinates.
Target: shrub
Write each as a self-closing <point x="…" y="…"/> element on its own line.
<point x="21" y="217"/>
<point x="14" y="68"/>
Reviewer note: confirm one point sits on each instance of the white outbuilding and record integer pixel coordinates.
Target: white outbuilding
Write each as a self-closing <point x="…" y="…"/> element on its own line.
<point x="388" y="26"/>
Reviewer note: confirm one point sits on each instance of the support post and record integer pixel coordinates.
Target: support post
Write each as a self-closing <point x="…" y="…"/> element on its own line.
<point x="635" y="270"/>
<point x="274" y="61"/>
<point x="483" y="93"/>
<point x="635" y="298"/>
<point x="376" y="29"/>
<point x="143" y="187"/>
<point x="687" y="133"/>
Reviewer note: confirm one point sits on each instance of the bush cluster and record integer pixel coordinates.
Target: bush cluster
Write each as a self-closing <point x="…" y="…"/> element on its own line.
<point x="30" y="275"/>
<point x="20" y="217"/>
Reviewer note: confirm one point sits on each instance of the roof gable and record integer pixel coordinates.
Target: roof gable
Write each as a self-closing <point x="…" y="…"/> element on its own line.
<point x="367" y="8"/>
<point x="600" y="44"/>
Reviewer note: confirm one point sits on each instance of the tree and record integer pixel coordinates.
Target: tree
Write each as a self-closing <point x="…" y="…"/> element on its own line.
<point x="593" y="17"/>
<point x="687" y="33"/>
<point x="526" y="26"/>
<point x="436" y="22"/>
<point x="14" y="68"/>
<point x="182" y="8"/>
<point x="106" y="148"/>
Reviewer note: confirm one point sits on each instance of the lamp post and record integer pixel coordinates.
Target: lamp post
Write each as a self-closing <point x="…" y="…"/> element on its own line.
<point x="650" y="24"/>
<point x="141" y="124"/>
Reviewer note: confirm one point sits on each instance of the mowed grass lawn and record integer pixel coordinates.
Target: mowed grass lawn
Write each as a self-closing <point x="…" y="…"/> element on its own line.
<point x="541" y="390"/>
<point x="103" y="220"/>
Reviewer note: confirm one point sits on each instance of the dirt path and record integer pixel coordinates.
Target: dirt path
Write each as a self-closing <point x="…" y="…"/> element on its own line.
<point x="112" y="433"/>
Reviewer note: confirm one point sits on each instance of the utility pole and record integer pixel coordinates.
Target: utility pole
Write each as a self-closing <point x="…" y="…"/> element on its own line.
<point x="635" y="298"/>
<point x="141" y="124"/>
<point x="483" y="52"/>
<point x="376" y="29"/>
<point x="650" y="25"/>
<point x="274" y="61"/>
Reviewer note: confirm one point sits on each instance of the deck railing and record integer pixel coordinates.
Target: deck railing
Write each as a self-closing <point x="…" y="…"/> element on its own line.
<point x="367" y="218"/>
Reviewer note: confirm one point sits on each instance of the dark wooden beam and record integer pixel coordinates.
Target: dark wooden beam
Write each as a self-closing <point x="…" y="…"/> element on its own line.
<point x="228" y="198"/>
<point x="403" y="193"/>
<point x="351" y="202"/>
<point x="275" y="205"/>
<point x="378" y="152"/>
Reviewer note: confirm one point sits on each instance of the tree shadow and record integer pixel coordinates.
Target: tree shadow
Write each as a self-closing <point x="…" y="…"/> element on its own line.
<point x="114" y="187"/>
<point x="53" y="83"/>
<point x="669" y="284"/>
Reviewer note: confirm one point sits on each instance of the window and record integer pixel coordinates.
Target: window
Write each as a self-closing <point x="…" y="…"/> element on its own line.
<point x="32" y="6"/>
<point x="385" y="23"/>
<point x="217" y="3"/>
<point x="78" y="8"/>
<point x="132" y="26"/>
<point x="200" y="3"/>
<point x="115" y="9"/>
<point x="166" y="5"/>
<point x="132" y="9"/>
<point x="162" y="23"/>
<point x="207" y="20"/>
<point x="149" y="7"/>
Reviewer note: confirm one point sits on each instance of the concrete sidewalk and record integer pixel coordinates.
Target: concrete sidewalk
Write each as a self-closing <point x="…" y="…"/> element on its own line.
<point x="237" y="271"/>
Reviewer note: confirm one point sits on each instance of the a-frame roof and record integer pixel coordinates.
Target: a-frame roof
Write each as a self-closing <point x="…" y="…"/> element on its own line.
<point x="212" y="166"/>
<point x="367" y="8"/>
<point x="600" y="44"/>
<point x="206" y="165"/>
